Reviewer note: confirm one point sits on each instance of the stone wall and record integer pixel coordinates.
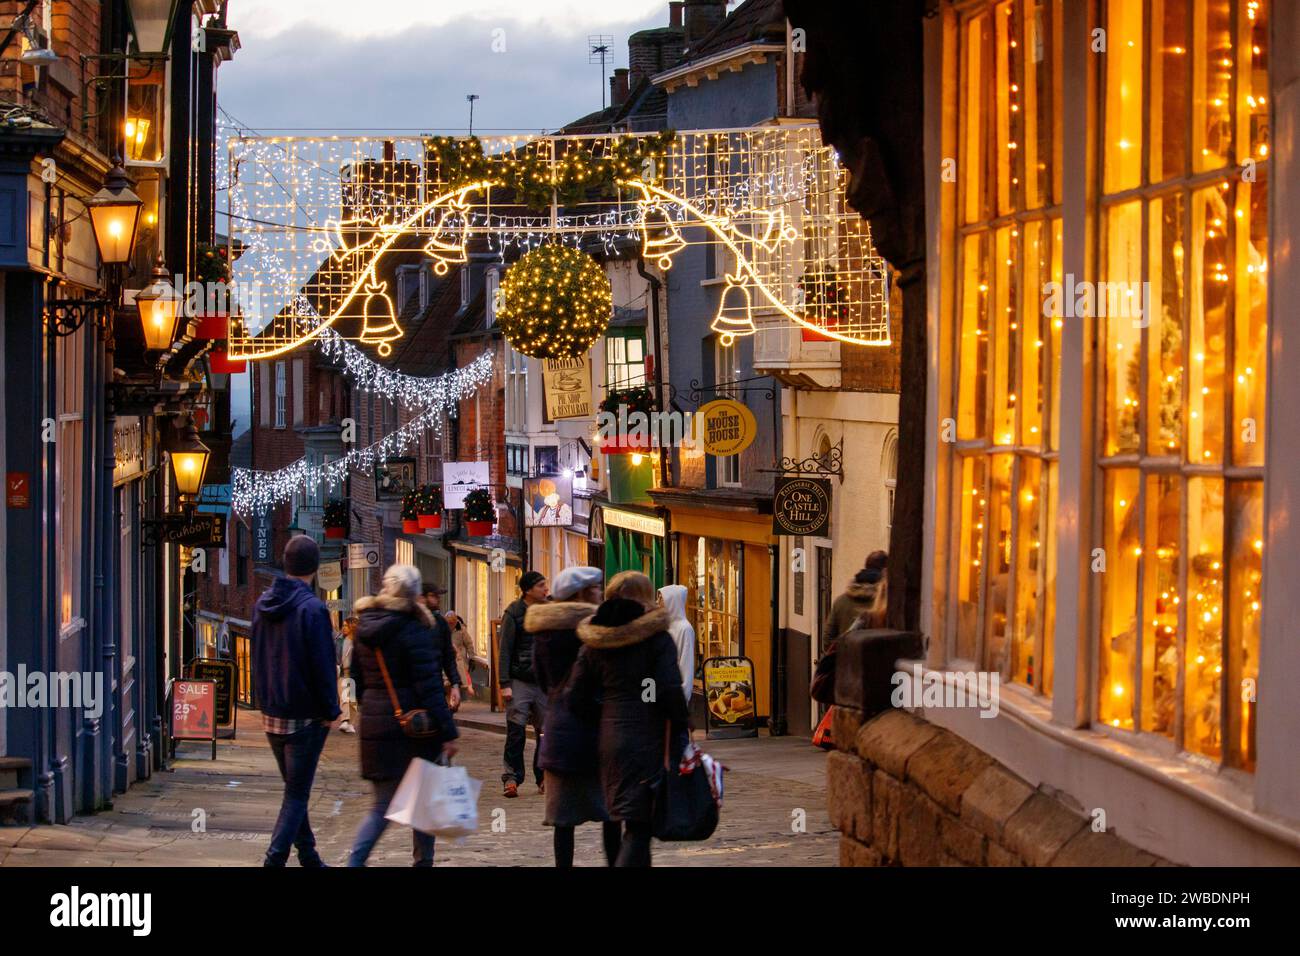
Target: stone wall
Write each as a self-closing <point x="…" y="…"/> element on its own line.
<point x="903" y="792"/>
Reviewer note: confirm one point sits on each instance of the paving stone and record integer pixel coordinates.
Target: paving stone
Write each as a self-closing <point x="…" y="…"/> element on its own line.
<point x="1038" y="830"/>
<point x="945" y="767"/>
<point x="848" y="794"/>
<point x="990" y="800"/>
<point x="890" y="739"/>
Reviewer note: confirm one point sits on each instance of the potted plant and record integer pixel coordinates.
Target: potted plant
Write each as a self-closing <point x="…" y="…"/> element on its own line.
<point x="480" y="513"/>
<point x="428" y="506"/>
<point x="336" y="518"/>
<point x="410" y="517"/>
<point x="633" y="436"/>
<point x="212" y="271"/>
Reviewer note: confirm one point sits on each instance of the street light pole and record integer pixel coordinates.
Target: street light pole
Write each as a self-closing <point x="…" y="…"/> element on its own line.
<point x="471" y="97"/>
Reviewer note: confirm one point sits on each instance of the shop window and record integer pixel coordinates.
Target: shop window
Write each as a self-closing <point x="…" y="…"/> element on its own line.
<point x="143" y="133"/>
<point x="624" y="359"/>
<point x="70" y="357"/>
<point x="279" y="395"/>
<point x="1181" y="437"/>
<point x="1006" y="334"/>
<point x="713" y="581"/>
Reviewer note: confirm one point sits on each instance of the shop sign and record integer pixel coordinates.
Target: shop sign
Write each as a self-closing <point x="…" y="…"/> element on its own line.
<point x="262" y="539"/>
<point x="339" y="604"/>
<point x="194" y="711"/>
<point x="566" y="383"/>
<point x="725" y="427"/>
<point x="459" y="478"/>
<point x="128" y="447"/>
<point x="222" y="674"/>
<point x="632" y="521"/>
<point x="362" y="556"/>
<point x="548" y="502"/>
<point x="801" y="506"/>
<point x="394" y="478"/>
<point x="18" y="489"/>
<point x="729" y="698"/>
<point x="310" y="520"/>
<point x="330" y="576"/>
<point x="198" y="530"/>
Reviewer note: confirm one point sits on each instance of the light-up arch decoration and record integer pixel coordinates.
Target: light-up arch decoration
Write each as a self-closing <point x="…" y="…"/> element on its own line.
<point x="316" y="216"/>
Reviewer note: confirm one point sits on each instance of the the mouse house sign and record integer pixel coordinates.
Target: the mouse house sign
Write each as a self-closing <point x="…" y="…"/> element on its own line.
<point x="801" y="506"/>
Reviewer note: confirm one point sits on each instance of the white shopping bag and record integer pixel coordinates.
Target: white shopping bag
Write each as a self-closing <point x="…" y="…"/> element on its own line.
<point x="441" y="801"/>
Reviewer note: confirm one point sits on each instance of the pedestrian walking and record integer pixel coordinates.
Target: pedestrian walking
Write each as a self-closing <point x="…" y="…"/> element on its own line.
<point x="672" y="598"/>
<point x="295" y="677"/>
<point x="431" y="595"/>
<point x="396" y="655"/>
<point x="347" y="689"/>
<point x="525" y="702"/>
<point x="624" y="644"/>
<point x="567" y="752"/>
<point x="463" y="646"/>
<point x="863" y="597"/>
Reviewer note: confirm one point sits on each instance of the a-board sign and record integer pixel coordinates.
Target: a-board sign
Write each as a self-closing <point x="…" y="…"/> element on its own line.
<point x="729" y="698"/>
<point x="194" y="711"/>
<point x="225" y="674"/>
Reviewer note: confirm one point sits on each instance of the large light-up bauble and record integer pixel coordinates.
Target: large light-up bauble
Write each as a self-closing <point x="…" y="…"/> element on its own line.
<point x="555" y="301"/>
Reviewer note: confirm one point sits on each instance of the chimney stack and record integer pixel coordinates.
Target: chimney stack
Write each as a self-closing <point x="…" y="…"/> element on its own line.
<point x="675" y="13"/>
<point x="701" y="17"/>
<point x="618" y="87"/>
<point x="653" y="51"/>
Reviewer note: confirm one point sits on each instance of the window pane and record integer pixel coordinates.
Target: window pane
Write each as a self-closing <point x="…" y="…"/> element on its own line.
<point x="998" y="574"/>
<point x="1165" y="335"/>
<point x="1212" y="70"/>
<point x="969" y="563"/>
<point x="1247" y="543"/>
<point x="1007" y="96"/>
<point x="1253" y="88"/>
<point x="973" y="374"/>
<point x="1049" y="588"/>
<point x="635" y="352"/>
<point x="1005" y="338"/>
<point x="1251" y="334"/>
<point x="1169" y="64"/>
<point x="1208" y="327"/>
<point x="1057" y="324"/>
<point x="616" y="349"/>
<point x="1029" y="556"/>
<point x="1204" y="654"/>
<point x="1123" y="547"/>
<point x="1035" y="332"/>
<point x="1040" y="107"/>
<point x="1123" y="146"/>
<point x="973" y="157"/>
<point x="1123" y="358"/>
<point x="1161" y="603"/>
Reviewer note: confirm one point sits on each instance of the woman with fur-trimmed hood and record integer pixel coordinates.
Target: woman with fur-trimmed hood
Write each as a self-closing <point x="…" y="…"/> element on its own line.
<point x="863" y="600"/>
<point x="396" y="624"/>
<point x="567" y="750"/>
<point x="627" y="673"/>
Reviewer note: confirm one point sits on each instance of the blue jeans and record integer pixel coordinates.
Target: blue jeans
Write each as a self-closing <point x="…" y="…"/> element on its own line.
<point x="375" y="823"/>
<point x="297" y="756"/>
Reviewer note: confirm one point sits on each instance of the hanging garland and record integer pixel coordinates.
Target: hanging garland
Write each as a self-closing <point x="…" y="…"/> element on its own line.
<point x="555" y="302"/>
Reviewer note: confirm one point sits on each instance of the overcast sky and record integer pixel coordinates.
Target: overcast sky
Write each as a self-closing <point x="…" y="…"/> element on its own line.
<point x="407" y="65"/>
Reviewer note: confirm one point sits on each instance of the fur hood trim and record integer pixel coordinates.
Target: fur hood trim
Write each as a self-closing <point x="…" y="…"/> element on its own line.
<point x="862" y="592"/>
<point x="557" y="615"/>
<point x="624" y="635"/>
<point x="397" y="605"/>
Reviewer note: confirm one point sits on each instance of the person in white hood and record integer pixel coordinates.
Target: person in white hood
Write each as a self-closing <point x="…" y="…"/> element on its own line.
<point x="673" y="598"/>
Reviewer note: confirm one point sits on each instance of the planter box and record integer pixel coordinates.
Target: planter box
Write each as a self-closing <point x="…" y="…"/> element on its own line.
<point x="478" y="529"/>
<point x="410" y="526"/>
<point x="336" y="532"/>
<point x="215" y="325"/>
<point x="221" y="364"/>
<point x="430" y="521"/>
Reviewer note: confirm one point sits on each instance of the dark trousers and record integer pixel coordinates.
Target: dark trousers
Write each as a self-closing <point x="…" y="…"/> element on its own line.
<point x="635" y="850"/>
<point x="611" y="836"/>
<point x="297" y="756"/>
<point x="527" y="706"/>
<point x="376" y="822"/>
<point x="516" y="736"/>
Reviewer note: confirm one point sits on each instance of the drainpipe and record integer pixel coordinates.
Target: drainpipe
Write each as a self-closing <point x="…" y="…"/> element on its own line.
<point x="656" y="324"/>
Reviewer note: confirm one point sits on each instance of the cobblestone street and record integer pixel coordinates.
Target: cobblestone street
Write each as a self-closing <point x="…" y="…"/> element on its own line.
<point x="770" y="782"/>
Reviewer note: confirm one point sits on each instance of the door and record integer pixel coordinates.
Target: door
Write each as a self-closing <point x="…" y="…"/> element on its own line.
<point x="128" y="614"/>
<point x="825" y="597"/>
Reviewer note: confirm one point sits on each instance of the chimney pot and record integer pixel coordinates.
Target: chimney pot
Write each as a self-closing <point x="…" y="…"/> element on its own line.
<point x="675" y="13"/>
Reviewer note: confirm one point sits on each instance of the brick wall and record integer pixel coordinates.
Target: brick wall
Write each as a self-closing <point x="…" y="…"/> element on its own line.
<point x="55" y="90"/>
<point x="872" y="369"/>
<point x="903" y="792"/>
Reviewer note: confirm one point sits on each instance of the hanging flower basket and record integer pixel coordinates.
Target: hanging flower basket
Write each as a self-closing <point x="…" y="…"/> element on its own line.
<point x="336" y="518"/>
<point x="633" y="400"/>
<point x="221" y="363"/>
<point x="480" y="513"/>
<point x="212" y="325"/>
<point x="410" y="516"/>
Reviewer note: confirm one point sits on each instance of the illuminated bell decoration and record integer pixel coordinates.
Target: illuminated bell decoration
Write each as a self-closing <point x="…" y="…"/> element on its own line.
<point x="555" y="301"/>
<point x="735" y="312"/>
<point x="115" y="214"/>
<point x="189" y="461"/>
<point x="380" y="320"/>
<point x="159" y="305"/>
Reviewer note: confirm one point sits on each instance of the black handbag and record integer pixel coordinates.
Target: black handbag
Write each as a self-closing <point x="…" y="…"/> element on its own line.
<point x="683" y="804"/>
<point x="822" y="688"/>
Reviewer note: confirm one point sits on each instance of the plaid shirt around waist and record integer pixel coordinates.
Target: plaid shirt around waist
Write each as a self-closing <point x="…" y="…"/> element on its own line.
<point x="285" y="725"/>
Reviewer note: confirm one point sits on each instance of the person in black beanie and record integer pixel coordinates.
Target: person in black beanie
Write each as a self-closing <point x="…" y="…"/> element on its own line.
<point x="294" y="673"/>
<point x="517" y="677"/>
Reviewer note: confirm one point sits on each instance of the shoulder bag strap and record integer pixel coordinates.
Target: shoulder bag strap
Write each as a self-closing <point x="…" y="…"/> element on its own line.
<point x="388" y="682"/>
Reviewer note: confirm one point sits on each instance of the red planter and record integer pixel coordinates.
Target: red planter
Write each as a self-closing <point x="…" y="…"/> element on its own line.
<point x="213" y="326"/>
<point x="410" y="526"/>
<point x="478" y="529"/>
<point x="630" y="446"/>
<point x="222" y="364"/>
<point x="336" y="532"/>
<point x="430" y="521"/>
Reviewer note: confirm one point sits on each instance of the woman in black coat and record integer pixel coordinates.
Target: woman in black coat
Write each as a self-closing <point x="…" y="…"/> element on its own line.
<point x="624" y="644"/>
<point x="396" y="625"/>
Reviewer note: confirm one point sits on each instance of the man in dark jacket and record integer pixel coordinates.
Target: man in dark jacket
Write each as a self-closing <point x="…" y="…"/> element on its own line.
<point x="295" y="677"/>
<point x="432" y="598"/>
<point x="525" y="702"/>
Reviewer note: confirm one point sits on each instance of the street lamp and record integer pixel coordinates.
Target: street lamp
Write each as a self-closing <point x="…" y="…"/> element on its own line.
<point x="189" y="461"/>
<point x="115" y="215"/>
<point x="159" y="305"/>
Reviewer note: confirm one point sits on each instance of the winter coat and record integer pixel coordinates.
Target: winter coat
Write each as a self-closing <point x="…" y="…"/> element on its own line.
<point x="623" y="645"/>
<point x="403" y="630"/>
<point x="568" y="740"/>
<point x="293" y="653"/>
<point x="463" y="647"/>
<point x="446" y="653"/>
<point x="516" y="658"/>
<point x="683" y="635"/>
<point x="856" y="600"/>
